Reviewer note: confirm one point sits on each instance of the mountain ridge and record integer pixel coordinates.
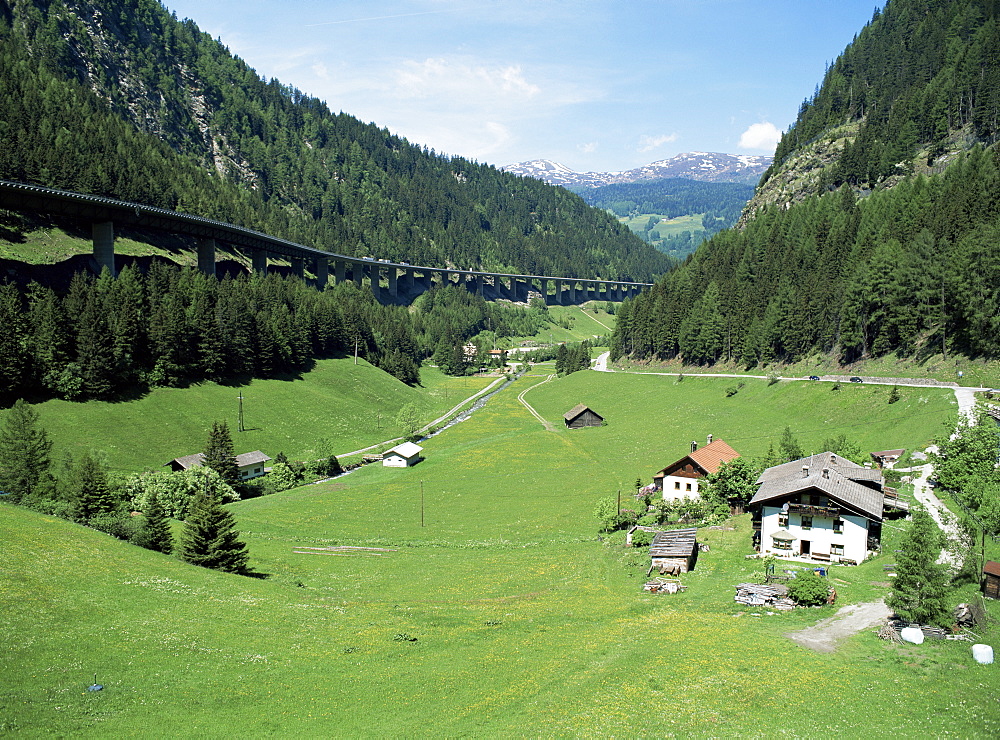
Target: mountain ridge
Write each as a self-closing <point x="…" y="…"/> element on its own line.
<point x="702" y="166"/>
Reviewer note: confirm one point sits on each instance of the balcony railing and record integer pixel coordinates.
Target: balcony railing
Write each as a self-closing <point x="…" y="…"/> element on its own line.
<point x="809" y="510"/>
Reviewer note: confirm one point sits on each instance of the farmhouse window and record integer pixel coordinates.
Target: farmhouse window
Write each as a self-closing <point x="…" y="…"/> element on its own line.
<point x="677" y="485"/>
<point x="836" y="549"/>
<point x="838" y="526"/>
<point x="782" y="544"/>
<point x="807" y="522"/>
<point x="782" y="519"/>
<point x="687" y="486"/>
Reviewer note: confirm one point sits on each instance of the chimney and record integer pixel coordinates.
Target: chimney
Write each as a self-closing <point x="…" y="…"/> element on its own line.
<point x="833" y="459"/>
<point x="694" y="446"/>
<point x="709" y="439"/>
<point x="826" y="472"/>
<point x="805" y="471"/>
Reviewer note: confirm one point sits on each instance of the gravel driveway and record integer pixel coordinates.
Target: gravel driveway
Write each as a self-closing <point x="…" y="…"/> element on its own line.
<point x="824" y="635"/>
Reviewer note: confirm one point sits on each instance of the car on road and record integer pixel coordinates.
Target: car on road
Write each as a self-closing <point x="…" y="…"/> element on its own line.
<point x="813" y="377"/>
<point x="855" y="379"/>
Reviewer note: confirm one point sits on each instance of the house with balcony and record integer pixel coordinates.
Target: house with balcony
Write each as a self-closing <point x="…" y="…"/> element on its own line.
<point x="823" y="507"/>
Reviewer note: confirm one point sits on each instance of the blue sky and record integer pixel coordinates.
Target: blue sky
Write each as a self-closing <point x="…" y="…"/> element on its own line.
<point x="596" y="86"/>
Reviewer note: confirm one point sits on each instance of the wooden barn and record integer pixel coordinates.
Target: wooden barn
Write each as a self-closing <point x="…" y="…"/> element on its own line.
<point x="991" y="579"/>
<point x="675" y="551"/>
<point x="582" y="416"/>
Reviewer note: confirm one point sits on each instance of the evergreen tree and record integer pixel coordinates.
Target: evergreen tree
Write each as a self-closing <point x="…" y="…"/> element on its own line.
<point x="24" y="453"/>
<point x="210" y="538"/>
<point x="920" y="589"/>
<point x="220" y="455"/>
<point x="89" y="490"/>
<point x="788" y="448"/>
<point x="155" y="533"/>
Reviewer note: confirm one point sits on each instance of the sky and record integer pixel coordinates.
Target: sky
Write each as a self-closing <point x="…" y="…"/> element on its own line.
<point x="596" y="85"/>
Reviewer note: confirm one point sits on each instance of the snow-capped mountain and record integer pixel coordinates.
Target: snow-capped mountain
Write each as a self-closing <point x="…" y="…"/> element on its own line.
<point x="706" y="166"/>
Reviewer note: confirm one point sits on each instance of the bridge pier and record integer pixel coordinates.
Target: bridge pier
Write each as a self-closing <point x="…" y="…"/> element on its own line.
<point x="339" y="271"/>
<point x="258" y="261"/>
<point x="393" y="282"/>
<point x="298" y="266"/>
<point x="357" y="273"/>
<point x="206" y="255"/>
<point x="571" y="292"/>
<point x="322" y="272"/>
<point x="103" y="235"/>
<point x="375" y="278"/>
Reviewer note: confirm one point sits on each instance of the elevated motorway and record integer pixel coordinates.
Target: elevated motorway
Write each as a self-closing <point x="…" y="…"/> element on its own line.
<point x="389" y="281"/>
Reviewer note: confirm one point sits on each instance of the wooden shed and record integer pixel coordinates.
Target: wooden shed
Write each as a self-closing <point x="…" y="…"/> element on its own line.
<point x="675" y="550"/>
<point x="582" y="416"/>
<point x="402" y="456"/>
<point x="991" y="579"/>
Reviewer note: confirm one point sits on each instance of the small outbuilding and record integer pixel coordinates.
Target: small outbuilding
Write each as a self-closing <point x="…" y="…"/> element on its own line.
<point x="887" y="458"/>
<point x="991" y="579"/>
<point x="674" y="551"/>
<point x="402" y="456"/>
<point x="582" y="416"/>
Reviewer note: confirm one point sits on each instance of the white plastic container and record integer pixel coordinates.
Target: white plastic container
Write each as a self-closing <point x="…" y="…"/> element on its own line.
<point x="982" y="653"/>
<point x="912" y="634"/>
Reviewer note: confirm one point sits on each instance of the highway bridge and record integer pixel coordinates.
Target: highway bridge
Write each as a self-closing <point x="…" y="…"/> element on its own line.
<point x="389" y="281"/>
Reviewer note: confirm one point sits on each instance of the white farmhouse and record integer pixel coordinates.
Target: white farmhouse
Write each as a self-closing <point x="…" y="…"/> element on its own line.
<point x="402" y="456"/>
<point x="682" y="478"/>
<point x="822" y="507"/>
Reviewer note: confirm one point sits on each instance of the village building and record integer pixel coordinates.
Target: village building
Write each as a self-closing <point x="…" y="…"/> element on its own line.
<point x="991" y="579"/>
<point x="250" y="464"/>
<point x="681" y="479"/>
<point x="402" y="456"/>
<point x="582" y="416"/>
<point x="822" y="507"/>
<point x="887" y="458"/>
<point x="674" y="551"/>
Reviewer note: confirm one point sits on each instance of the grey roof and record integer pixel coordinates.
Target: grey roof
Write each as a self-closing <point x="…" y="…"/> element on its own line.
<point x="579" y="409"/>
<point x="198" y="459"/>
<point x="406" y="449"/>
<point x="784" y="535"/>
<point x="836" y="477"/>
<point x="251" y="458"/>
<point x="676" y="543"/>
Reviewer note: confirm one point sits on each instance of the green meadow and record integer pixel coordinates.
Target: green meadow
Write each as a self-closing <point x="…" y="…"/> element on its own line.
<point x="337" y="407"/>
<point x="488" y="606"/>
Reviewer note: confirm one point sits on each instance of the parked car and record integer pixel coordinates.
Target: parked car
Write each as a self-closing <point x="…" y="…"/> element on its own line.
<point x="855" y="379"/>
<point x="813" y="377"/>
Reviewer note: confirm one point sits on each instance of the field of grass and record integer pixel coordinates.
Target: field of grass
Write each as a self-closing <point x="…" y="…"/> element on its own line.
<point x="335" y="408"/>
<point x="976" y="373"/>
<point x="492" y="608"/>
<point x="584" y="323"/>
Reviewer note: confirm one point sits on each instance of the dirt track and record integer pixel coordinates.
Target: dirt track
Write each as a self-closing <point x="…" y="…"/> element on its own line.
<point x="824" y="635"/>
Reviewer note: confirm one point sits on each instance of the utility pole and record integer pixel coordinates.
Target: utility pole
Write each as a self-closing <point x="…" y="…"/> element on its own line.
<point x="239" y="424"/>
<point x="355" y="350"/>
<point x="421" y="503"/>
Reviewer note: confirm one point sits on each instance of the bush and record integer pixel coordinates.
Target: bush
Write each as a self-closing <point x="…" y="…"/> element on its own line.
<point x="642" y="538"/>
<point x="118" y="524"/>
<point x="808" y="589"/>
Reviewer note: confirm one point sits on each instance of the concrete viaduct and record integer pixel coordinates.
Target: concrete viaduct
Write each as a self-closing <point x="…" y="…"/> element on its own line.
<point x="391" y="282"/>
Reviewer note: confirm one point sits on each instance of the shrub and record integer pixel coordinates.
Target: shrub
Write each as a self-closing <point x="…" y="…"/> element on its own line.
<point x="642" y="538"/>
<point x="772" y="378"/>
<point x="808" y="589"/>
<point x="731" y="391"/>
<point x="894" y="394"/>
<point x="118" y="524"/>
<point x="648" y="520"/>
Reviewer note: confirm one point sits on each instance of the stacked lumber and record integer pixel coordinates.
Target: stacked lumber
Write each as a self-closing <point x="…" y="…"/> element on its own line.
<point x="664" y="586"/>
<point x="934" y="633"/>
<point x="769" y="594"/>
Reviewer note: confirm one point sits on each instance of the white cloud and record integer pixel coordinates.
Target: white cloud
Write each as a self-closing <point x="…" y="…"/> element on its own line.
<point x="588" y="147"/>
<point x="469" y="82"/>
<point x="762" y="136"/>
<point x="648" y="143"/>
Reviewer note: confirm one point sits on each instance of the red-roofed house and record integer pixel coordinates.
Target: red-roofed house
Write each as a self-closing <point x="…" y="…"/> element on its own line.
<point x="680" y="480"/>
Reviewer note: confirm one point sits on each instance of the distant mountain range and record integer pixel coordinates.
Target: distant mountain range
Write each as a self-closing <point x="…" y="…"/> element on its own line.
<point x="704" y="166"/>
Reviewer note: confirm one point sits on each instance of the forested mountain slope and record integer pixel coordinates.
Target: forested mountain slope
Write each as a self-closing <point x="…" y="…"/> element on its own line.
<point x="118" y="97"/>
<point x="848" y="249"/>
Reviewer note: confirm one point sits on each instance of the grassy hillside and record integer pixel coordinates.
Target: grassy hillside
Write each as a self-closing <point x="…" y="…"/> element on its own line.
<point x="502" y="612"/>
<point x="337" y="407"/>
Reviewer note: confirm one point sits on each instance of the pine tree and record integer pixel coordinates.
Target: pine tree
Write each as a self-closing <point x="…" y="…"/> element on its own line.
<point x="24" y="453"/>
<point x="210" y="538"/>
<point x="155" y="534"/>
<point x="788" y="448"/>
<point x="920" y="589"/>
<point x="89" y="487"/>
<point x="220" y="455"/>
